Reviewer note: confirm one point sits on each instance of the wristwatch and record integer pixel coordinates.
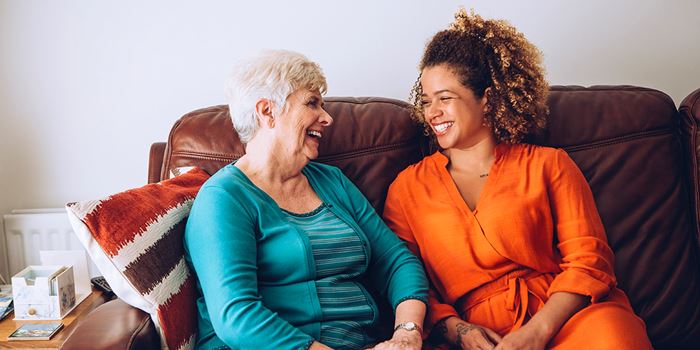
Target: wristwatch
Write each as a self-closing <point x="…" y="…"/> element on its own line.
<point x="409" y="326"/>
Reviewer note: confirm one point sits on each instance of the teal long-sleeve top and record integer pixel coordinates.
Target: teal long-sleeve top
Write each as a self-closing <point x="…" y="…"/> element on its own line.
<point x="255" y="271"/>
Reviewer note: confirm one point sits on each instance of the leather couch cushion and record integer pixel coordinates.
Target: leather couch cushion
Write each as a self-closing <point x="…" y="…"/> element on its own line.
<point x="626" y="142"/>
<point x="372" y="140"/>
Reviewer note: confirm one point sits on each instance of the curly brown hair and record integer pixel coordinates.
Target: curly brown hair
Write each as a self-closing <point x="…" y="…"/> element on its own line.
<point x="491" y="54"/>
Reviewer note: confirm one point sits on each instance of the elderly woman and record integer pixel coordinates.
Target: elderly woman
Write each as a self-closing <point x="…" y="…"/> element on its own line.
<point x="287" y="251"/>
<point x="508" y="231"/>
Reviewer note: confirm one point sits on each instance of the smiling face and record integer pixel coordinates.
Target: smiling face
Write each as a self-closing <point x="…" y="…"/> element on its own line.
<point x="302" y="122"/>
<point x="453" y="111"/>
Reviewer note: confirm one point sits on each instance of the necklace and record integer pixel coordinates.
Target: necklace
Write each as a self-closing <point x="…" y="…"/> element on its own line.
<point x="484" y="175"/>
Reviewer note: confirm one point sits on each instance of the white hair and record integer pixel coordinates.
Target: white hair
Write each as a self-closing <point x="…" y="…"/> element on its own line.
<point x="273" y="75"/>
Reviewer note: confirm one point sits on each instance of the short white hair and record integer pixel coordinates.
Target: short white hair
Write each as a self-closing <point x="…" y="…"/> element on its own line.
<point x="274" y="75"/>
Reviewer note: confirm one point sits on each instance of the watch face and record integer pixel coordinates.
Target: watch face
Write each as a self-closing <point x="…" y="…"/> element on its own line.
<point x="409" y="326"/>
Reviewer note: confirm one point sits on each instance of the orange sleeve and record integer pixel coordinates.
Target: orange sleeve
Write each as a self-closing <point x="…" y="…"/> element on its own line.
<point x="395" y="218"/>
<point x="587" y="260"/>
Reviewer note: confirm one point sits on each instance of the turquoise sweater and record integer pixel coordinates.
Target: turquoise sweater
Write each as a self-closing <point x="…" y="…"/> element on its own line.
<point x="255" y="271"/>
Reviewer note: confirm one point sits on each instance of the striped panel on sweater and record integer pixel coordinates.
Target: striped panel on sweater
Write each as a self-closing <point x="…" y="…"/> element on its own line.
<point x="339" y="257"/>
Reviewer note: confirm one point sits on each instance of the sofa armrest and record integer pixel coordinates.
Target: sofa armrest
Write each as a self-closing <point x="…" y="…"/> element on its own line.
<point x="155" y="161"/>
<point x="114" y="325"/>
<point x="690" y="132"/>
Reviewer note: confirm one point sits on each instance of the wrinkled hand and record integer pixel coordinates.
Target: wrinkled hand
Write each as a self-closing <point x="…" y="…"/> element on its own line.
<point x="402" y="340"/>
<point x="471" y="336"/>
<point x="525" y="338"/>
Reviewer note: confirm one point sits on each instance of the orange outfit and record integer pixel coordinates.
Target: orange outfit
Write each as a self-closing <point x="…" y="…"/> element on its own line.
<point x="535" y="231"/>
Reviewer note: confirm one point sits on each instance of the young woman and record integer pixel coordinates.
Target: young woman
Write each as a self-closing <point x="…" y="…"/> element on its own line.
<point x="508" y="232"/>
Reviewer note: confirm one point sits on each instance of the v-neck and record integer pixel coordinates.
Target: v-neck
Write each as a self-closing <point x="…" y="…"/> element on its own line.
<point x="312" y="182"/>
<point x="449" y="183"/>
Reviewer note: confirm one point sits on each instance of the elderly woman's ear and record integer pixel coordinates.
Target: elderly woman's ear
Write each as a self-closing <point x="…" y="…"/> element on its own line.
<point x="263" y="110"/>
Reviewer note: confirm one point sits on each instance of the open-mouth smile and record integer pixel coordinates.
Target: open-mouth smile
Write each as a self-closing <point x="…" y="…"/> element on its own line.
<point x="314" y="133"/>
<point x="442" y="127"/>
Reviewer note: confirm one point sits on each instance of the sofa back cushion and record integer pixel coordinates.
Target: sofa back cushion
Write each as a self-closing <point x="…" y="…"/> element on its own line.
<point x="627" y="143"/>
<point x="624" y="139"/>
<point x="372" y="139"/>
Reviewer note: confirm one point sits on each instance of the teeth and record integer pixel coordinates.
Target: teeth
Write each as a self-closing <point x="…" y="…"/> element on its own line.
<point x="442" y="127"/>
<point x="314" y="133"/>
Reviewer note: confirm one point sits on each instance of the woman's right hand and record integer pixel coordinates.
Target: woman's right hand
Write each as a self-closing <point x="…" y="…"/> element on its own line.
<point x="468" y="336"/>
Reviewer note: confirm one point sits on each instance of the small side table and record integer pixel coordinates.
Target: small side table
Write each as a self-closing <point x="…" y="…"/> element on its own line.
<point x="8" y="325"/>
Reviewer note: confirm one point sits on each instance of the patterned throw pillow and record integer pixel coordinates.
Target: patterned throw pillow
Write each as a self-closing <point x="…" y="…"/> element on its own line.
<point x="135" y="239"/>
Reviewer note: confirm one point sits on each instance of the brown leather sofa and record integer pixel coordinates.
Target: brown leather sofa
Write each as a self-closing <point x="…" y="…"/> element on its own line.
<point x="638" y="151"/>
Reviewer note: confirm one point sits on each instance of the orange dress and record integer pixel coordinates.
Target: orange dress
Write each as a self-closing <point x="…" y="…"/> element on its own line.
<point x="535" y="231"/>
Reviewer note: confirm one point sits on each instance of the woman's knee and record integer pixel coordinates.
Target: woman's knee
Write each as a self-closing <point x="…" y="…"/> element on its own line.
<point x="606" y="325"/>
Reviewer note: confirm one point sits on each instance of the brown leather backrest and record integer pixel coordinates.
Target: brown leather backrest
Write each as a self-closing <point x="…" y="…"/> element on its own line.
<point x="371" y="139"/>
<point x="626" y="140"/>
<point x="627" y="143"/>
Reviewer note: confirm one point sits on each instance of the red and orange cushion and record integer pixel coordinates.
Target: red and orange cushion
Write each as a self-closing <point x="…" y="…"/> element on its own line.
<point x="135" y="238"/>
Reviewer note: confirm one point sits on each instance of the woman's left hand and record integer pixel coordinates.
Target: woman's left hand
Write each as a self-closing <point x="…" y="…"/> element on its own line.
<point x="544" y="325"/>
<point x="402" y="340"/>
<point x="525" y="338"/>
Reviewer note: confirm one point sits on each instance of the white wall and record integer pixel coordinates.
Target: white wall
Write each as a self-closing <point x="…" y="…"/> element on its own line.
<point x="86" y="86"/>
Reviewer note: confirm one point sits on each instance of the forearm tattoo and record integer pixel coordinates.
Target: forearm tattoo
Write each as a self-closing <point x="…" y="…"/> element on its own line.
<point x="462" y="329"/>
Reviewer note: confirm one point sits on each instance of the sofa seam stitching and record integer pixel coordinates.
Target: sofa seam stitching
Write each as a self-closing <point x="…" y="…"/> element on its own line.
<point x="616" y="140"/>
<point x="341" y="155"/>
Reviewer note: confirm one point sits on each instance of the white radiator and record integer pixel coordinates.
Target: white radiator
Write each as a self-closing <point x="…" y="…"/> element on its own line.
<point x="31" y="230"/>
